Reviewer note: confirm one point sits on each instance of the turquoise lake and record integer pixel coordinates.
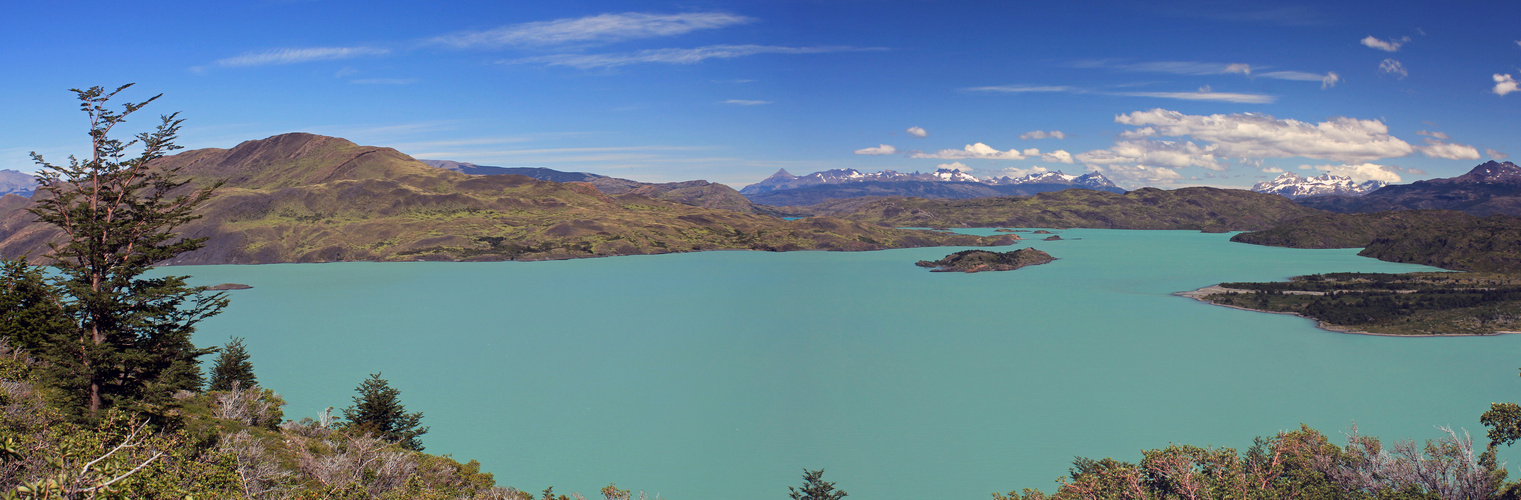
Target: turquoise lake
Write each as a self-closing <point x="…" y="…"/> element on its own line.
<point x="721" y="375"/>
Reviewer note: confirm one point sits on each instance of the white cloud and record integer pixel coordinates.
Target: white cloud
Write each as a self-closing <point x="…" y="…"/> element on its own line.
<point x="1393" y="67"/>
<point x="1495" y="155"/>
<point x="674" y="56"/>
<point x="1058" y="156"/>
<point x="1440" y="149"/>
<point x="1244" y="69"/>
<point x="604" y="28"/>
<point x="1504" y="84"/>
<point x="1041" y="134"/>
<point x="1362" y="172"/>
<point x="1139" y="175"/>
<point x="954" y="166"/>
<point x="1018" y="89"/>
<point x="1205" y="96"/>
<point x="744" y="102"/>
<point x="384" y="81"/>
<point x="1438" y="135"/>
<point x="977" y="151"/>
<point x="917" y="132"/>
<point x="1390" y="45"/>
<point x="1329" y="80"/>
<point x="879" y="150"/>
<point x="1249" y="135"/>
<point x="292" y="56"/>
<point x="1272" y="170"/>
<point x="1021" y="172"/>
<point x="1415" y="171"/>
<point x="1176" y="154"/>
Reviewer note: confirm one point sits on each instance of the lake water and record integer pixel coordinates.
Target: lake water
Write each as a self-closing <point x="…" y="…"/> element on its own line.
<point x="721" y="375"/>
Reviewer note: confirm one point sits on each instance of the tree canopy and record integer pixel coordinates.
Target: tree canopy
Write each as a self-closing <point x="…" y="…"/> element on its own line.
<point x="378" y="410"/>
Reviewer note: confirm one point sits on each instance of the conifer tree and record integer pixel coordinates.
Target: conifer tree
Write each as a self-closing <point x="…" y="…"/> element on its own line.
<point x="129" y="341"/>
<point x="232" y="365"/>
<point x="815" y="488"/>
<point x="378" y="410"/>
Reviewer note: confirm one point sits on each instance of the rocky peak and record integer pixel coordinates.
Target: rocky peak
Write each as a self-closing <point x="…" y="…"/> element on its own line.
<point x="1492" y="172"/>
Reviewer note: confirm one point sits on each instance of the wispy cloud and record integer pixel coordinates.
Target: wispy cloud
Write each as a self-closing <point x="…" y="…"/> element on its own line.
<point x="675" y="56"/>
<point x="1041" y="134"/>
<point x="1204" y="96"/>
<point x="384" y="81"/>
<point x="745" y="102"/>
<point x="1019" y="89"/>
<point x="884" y="149"/>
<point x="978" y="151"/>
<point x="1495" y="155"/>
<point x="1195" y="68"/>
<point x="1389" y="45"/>
<point x="1393" y="68"/>
<point x="599" y="29"/>
<point x="292" y="56"/>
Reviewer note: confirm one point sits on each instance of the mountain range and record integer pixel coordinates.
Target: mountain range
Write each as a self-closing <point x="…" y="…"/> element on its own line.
<point x="17" y="183"/>
<point x="1292" y="185"/>
<point x="1490" y="188"/>
<point x="785" y="189"/>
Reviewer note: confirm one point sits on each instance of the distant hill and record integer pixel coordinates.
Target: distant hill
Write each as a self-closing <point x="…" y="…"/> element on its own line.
<point x="696" y="193"/>
<point x="17" y="183"/>
<point x="784" y="189"/>
<point x="540" y="173"/>
<point x="1490" y="188"/>
<point x="1196" y="208"/>
<point x="1442" y="238"/>
<point x="310" y="198"/>
<point x="1292" y="185"/>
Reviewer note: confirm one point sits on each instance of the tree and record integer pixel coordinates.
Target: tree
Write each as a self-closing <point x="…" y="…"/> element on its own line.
<point x="232" y="366"/>
<point x="815" y="488"/>
<point x="378" y="410"/>
<point x="129" y="338"/>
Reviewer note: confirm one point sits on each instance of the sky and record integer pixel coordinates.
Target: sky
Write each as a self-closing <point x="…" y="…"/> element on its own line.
<point x="1162" y="93"/>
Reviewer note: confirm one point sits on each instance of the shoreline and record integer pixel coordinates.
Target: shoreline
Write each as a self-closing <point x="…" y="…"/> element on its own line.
<point x="1214" y="289"/>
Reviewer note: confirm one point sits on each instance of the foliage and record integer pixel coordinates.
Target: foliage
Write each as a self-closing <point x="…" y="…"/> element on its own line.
<point x="815" y="488"/>
<point x="378" y="410"/>
<point x="129" y="341"/>
<point x="232" y="367"/>
<point x="1294" y="464"/>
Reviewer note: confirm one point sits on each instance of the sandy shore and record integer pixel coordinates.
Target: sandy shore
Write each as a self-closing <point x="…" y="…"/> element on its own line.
<point x="1214" y="289"/>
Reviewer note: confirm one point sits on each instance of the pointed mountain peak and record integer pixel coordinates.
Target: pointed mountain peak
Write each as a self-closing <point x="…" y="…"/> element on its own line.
<point x="1492" y="171"/>
<point x="782" y="174"/>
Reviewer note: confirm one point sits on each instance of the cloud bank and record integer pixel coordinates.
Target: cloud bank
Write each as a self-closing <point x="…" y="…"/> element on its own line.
<point x="599" y="29"/>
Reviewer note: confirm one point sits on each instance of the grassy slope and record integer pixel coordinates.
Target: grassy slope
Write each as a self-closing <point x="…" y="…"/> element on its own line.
<point x="1198" y="208"/>
<point x="307" y="198"/>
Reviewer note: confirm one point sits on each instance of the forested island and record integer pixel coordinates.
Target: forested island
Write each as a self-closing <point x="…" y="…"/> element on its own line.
<point x="972" y="261"/>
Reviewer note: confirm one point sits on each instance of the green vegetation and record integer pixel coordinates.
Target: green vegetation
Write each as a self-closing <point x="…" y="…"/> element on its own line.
<point x="101" y="387"/>
<point x="378" y="411"/>
<point x="1293" y="464"/>
<point x="815" y="488"/>
<point x="1203" y="209"/>
<point x="971" y="261"/>
<point x="232" y="368"/>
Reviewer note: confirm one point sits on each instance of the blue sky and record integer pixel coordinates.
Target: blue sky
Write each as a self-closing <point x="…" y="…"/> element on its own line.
<point x="1151" y="93"/>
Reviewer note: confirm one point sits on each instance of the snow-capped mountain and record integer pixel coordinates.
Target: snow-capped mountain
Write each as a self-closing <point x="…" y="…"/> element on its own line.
<point x="1292" y="185"/>
<point x="782" y="180"/>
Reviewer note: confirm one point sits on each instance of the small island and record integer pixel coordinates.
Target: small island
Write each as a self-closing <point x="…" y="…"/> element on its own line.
<point x="228" y="286"/>
<point x="1052" y="238"/>
<point x="971" y="261"/>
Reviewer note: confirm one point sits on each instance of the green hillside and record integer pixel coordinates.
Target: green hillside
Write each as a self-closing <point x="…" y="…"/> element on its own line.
<point x="309" y="198"/>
